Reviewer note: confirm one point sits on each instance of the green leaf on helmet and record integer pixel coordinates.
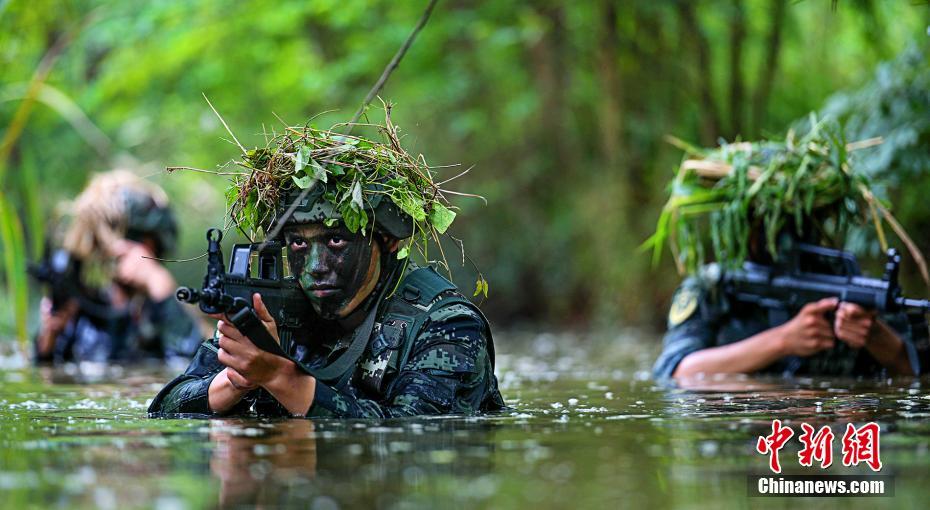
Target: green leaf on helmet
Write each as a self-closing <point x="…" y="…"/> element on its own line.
<point x="303" y="157"/>
<point x="350" y="218"/>
<point x="319" y="172"/>
<point x="403" y="252"/>
<point x="304" y="181"/>
<point x="357" y="195"/>
<point x="330" y="222"/>
<point x="441" y="217"/>
<point x="410" y="204"/>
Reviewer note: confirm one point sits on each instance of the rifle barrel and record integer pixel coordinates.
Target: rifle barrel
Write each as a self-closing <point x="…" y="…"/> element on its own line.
<point x="921" y="304"/>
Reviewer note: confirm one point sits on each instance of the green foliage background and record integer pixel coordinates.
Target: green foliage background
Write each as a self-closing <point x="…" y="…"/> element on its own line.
<point x="561" y="106"/>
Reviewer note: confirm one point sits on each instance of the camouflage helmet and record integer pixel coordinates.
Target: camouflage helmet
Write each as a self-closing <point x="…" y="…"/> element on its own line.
<point x="316" y="208"/>
<point x="146" y="217"/>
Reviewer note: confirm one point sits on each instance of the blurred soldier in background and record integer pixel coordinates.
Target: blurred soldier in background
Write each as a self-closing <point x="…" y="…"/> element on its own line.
<point x="765" y="208"/>
<point x="709" y="332"/>
<point x="110" y="299"/>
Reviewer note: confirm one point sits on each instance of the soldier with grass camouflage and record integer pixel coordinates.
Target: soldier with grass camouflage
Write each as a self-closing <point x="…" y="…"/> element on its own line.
<point x="427" y="349"/>
<point x="753" y="202"/>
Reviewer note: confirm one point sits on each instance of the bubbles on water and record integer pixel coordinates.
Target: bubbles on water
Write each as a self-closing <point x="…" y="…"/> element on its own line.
<point x="31" y="405"/>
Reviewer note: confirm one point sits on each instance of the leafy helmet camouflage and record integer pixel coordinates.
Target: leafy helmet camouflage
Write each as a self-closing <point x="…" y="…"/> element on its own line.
<point x="316" y="208"/>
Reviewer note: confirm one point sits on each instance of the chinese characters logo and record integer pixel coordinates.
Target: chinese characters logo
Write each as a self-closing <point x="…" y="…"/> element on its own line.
<point x="859" y="445"/>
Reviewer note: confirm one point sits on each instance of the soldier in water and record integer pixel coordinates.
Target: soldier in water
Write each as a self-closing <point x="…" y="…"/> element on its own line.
<point x="110" y="299"/>
<point x="426" y="348"/>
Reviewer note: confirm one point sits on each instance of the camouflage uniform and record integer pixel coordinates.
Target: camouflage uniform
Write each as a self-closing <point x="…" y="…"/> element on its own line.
<point x="701" y="316"/>
<point x="430" y="352"/>
<point x="157" y="330"/>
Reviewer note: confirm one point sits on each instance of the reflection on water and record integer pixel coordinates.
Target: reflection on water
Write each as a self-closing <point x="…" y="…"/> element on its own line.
<point x="587" y="429"/>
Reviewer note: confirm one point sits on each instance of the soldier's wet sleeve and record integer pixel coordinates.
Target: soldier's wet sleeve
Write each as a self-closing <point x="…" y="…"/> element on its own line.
<point x="912" y="330"/>
<point x="690" y="328"/>
<point x="188" y="392"/>
<point x="448" y="371"/>
<point x="177" y="330"/>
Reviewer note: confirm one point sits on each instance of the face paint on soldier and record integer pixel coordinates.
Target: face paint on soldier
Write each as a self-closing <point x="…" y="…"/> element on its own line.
<point x="336" y="269"/>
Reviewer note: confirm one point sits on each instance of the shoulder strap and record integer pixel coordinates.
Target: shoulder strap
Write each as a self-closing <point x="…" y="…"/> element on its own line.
<point x="422" y="286"/>
<point x="346" y="362"/>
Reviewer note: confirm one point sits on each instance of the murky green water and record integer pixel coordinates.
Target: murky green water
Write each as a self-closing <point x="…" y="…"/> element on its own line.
<point x="587" y="430"/>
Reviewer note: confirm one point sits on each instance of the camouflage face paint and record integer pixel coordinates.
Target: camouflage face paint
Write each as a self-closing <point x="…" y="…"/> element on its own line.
<point x="336" y="269"/>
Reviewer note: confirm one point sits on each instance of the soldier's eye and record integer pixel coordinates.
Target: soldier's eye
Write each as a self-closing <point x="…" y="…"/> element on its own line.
<point x="298" y="242"/>
<point x="337" y="242"/>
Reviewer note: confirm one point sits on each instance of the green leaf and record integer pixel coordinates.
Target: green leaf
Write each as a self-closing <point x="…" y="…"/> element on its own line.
<point x="319" y="172"/>
<point x="357" y="195"/>
<point x="481" y="287"/>
<point x="441" y="217"/>
<point x="403" y="252"/>
<point x="330" y="222"/>
<point x="305" y="181"/>
<point x="350" y="218"/>
<point x="303" y="157"/>
<point x="411" y="205"/>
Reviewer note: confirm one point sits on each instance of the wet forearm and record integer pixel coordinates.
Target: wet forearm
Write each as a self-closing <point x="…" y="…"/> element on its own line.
<point x="293" y="389"/>
<point x="223" y="395"/>
<point x="888" y="349"/>
<point x="745" y="356"/>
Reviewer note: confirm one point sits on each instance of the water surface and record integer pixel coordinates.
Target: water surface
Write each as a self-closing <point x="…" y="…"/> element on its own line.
<point x="587" y="429"/>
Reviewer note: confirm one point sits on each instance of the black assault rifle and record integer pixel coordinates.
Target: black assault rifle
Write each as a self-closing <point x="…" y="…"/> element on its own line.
<point x="257" y="267"/>
<point x="812" y="273"/>
<point x="60" y="271"/>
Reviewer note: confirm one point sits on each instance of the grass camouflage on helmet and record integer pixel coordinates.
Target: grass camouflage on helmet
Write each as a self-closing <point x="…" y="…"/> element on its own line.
<point x="358" y="181"/>
<point x="719" y="195"/>
<point x="366" y="184"/>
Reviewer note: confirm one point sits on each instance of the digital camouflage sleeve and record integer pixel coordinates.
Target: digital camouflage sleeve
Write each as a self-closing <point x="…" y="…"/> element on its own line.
<point x="447" y="369"/>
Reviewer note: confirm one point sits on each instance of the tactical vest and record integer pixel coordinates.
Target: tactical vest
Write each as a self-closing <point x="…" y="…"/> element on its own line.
<point x="398" y="322"/>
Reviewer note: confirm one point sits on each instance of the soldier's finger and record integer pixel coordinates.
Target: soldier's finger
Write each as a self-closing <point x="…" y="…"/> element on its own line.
<point x="260" y="309"/>
<point x="228" y="330"/>
<point x="852" y="310"/>
<point x="225" y="358"/>
<point x="820" y="307"/>
<point x="239" y="381"/>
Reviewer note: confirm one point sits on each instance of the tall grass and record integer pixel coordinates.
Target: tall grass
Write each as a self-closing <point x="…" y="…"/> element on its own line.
<point x="13" y="248"/>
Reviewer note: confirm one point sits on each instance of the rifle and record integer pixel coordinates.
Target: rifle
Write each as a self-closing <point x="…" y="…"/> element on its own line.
<point x="230" y="293"/>
<point x="61" y="272"/>
<point x="814" y="272"/>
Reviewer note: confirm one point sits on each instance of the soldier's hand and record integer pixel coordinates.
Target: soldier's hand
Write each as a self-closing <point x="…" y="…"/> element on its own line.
<point x="54" y="321"/>
<point x="853" y="324"/>
<point x="137" y="269"/>
<point x="240" y="354"/>
<point x="239" y="381"/>
<point x="809" y="332"/>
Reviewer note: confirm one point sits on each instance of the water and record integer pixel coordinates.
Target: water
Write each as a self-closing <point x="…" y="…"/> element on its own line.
<point x="588" y="429"/>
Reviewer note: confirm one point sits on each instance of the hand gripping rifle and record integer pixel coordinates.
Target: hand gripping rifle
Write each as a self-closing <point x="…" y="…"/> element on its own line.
<point x="257" y="267"/>
<point x="813" y="273"/>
